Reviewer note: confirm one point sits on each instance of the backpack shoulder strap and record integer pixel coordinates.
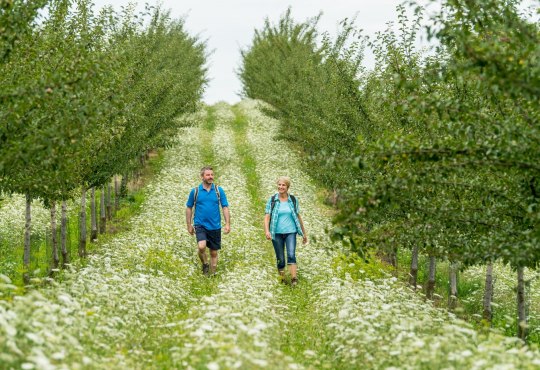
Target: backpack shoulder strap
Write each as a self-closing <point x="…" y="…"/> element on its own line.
<point x="273" y="203"/>
<point x="216" y="189"/>
<point x="195" y="195"/>
<point x="293" y="198"/>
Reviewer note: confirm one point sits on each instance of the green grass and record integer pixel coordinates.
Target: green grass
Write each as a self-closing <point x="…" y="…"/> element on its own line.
<point x="358" y="268"/>
<point x="249" y="164"/>
<point x="229" y="259"/>
<point x="303" y="329"/>
<point x="207" y="152"/>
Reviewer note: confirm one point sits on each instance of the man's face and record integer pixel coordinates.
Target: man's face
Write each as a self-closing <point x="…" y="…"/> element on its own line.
<point x="208" y="177"/>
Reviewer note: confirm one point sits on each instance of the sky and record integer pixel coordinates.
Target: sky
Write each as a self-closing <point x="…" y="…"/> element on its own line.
<point x="228" y="27"/>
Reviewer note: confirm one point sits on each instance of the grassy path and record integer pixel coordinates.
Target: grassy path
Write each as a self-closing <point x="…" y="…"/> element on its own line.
<point x="302" y="335"/>
<point x="142" y="302"/>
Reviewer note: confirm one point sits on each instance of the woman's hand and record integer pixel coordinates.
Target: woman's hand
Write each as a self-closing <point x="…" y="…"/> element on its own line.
<point x="268" y="235"/>
<point x="304" y="239"/>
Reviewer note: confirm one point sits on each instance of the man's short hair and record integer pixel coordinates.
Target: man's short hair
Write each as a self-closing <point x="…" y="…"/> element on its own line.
<point x="206" y="168"/>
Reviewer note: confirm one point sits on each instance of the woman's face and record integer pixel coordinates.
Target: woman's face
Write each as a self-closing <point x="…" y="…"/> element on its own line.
<point x="282" y="187"/>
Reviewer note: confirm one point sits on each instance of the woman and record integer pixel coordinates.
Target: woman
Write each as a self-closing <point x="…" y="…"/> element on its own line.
<point x="282" y="222"/>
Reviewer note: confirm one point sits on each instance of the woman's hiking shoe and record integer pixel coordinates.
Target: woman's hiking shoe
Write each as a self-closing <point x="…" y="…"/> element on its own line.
<point x="205" y="269"/>
<point x="294" y="281"/>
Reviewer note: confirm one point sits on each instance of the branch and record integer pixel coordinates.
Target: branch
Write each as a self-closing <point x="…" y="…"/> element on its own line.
<point x="431" y="152"/>
<point x="474" y="187"/>
<point x="31" y="91"/>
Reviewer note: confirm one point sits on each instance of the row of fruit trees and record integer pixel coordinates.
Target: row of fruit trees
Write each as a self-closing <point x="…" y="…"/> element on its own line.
<point x="433" y="151"/>
<point x="83" y="94"/>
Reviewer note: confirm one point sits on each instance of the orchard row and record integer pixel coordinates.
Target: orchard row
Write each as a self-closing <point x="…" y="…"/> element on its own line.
<point x="436" y="151"/>
<point x="85" y="94"/>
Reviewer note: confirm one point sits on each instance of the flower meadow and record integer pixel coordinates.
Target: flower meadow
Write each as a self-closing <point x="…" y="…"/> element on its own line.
<point x="12" y="221"/>
<point x="141" y="301"/>
<point x="504" y="295"/>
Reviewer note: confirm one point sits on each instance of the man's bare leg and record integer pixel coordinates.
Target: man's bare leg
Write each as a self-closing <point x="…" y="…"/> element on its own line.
<point x="203" y="256"/>
<point x="202" y="251"/>
<point x="213" y="261"/>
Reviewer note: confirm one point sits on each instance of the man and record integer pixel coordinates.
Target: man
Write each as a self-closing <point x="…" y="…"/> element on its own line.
<point x="207" y="220"/>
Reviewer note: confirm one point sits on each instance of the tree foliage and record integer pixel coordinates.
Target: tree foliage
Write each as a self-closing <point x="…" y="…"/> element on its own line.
<point x="85" y="93"/>
<point x="438" y="150"/>
<point x="314" y="88"/>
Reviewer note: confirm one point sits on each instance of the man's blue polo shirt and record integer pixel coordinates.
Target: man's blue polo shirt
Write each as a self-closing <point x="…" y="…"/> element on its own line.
<point x="207" y="208"/>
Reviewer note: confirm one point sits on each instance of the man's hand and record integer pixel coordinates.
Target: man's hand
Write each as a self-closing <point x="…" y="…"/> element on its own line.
<point x="227" y="215"/>
<point x="188" y="220"/>
<point x="268" y="235"/>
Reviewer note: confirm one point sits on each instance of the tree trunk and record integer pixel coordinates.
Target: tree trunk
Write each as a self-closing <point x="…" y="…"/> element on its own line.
<point x="452" y="299"/>
<point x="102" y="216"/>
<point x="63" y="233"/>
<point x="27" y="233"/>
<point x="82" y="225"/>
<point x="54" y="242"/>
<point x="431" y="278"/>
<point x="109" y="206"/>
<point x="123" y="185"/>
<point x="394" y="259"/>
<point x="93" y="216"/>
<point x="488" y="293"/>
<point x="116" y="194"/>
<point x="522" y="314"/>
<point x="413" y="276"/>
<point x="139" y="171"/>
<point x="389" y="256"/>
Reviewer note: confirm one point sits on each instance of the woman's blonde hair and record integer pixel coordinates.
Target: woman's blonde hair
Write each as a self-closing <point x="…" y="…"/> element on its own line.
<point x="285" y="179"/>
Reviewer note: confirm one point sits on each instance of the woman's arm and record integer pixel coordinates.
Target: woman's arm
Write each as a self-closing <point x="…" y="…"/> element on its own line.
<point x="304" y="238"/>
<point x="267" y="226"/>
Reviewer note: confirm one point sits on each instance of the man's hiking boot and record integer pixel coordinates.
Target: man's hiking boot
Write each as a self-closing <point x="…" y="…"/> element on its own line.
<point x="294" y="281"/>
<point x="205" y="269"/>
